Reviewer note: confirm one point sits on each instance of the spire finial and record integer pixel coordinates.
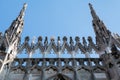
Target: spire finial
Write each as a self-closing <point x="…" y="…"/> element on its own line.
<point x="22" y="12"/>
<point x="93" y="13"/>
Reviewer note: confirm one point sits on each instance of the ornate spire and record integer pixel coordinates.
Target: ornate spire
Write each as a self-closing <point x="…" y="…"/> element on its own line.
<point x="103" y="35"/>
<point x="22" y="12"/>
<point x="15" y="30"/>
<point x="93" y="13"/>
<point x="98" y="24"/>
<point x="11" y="39"/>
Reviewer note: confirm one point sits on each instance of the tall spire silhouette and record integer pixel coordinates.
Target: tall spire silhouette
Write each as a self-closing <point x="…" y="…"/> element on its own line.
<point x="93" y="13"/>
<point x="15" y="30"/>
<point x="103" y="35"/>
<point x="22" y="12"/>
<point x="11" y="39"/>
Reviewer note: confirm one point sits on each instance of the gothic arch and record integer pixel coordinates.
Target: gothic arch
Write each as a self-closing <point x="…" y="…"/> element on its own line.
<point x="100" y="73"/>
<point x="85" y="68"/>
<point x="69" y="67"/>
<point x="84" y="74"/>
<point x="50" y="71"/>
<point x="68" y="71"/>
<point x="54" y="67"/>
<point x="59" y="77"/>
<point x="99" y="69"/>
<point x="35" y="70"/>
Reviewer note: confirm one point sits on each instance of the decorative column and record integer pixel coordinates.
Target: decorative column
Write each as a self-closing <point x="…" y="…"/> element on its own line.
<point x="111" y="67"/>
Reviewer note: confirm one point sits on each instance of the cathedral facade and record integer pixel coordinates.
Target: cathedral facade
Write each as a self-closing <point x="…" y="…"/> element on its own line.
<point x="106" y="67"/>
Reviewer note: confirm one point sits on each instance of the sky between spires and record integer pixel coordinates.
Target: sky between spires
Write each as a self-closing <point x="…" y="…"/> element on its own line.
<point x="60" y="17"/>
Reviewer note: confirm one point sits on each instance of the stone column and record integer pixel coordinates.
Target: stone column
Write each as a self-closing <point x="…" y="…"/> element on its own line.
<point x="111" y="67"/>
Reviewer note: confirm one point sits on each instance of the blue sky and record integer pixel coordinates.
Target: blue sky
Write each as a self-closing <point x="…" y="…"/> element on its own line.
<point x="60" y="17"/>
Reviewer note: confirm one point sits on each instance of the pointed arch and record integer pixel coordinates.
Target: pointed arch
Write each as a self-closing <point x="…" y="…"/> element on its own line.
<point x="59" y="76"/>
<point x="100" y="73"/>
<point x="69" y="67"/>
<point x="50" y="71"/>
<point x="99" y="69"/>
<point x="84" y="74"/>
<point x="67" y="71"/>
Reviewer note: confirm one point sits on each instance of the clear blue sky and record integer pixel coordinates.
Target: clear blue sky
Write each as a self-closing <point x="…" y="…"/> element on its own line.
<point x="60" y="17"/>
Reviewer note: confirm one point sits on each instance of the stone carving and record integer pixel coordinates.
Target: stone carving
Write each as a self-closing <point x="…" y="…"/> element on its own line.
<point x="106" y="67"/>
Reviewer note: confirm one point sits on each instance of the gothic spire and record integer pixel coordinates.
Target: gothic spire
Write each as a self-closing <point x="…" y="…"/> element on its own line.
<point x="93" y="13"/>
<point x="22" y="12"/>
<point x="99" y="27"/>
<point x="103" y="35"/>
<point x="12" y="38"/>
<point x="13" y="33"/>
